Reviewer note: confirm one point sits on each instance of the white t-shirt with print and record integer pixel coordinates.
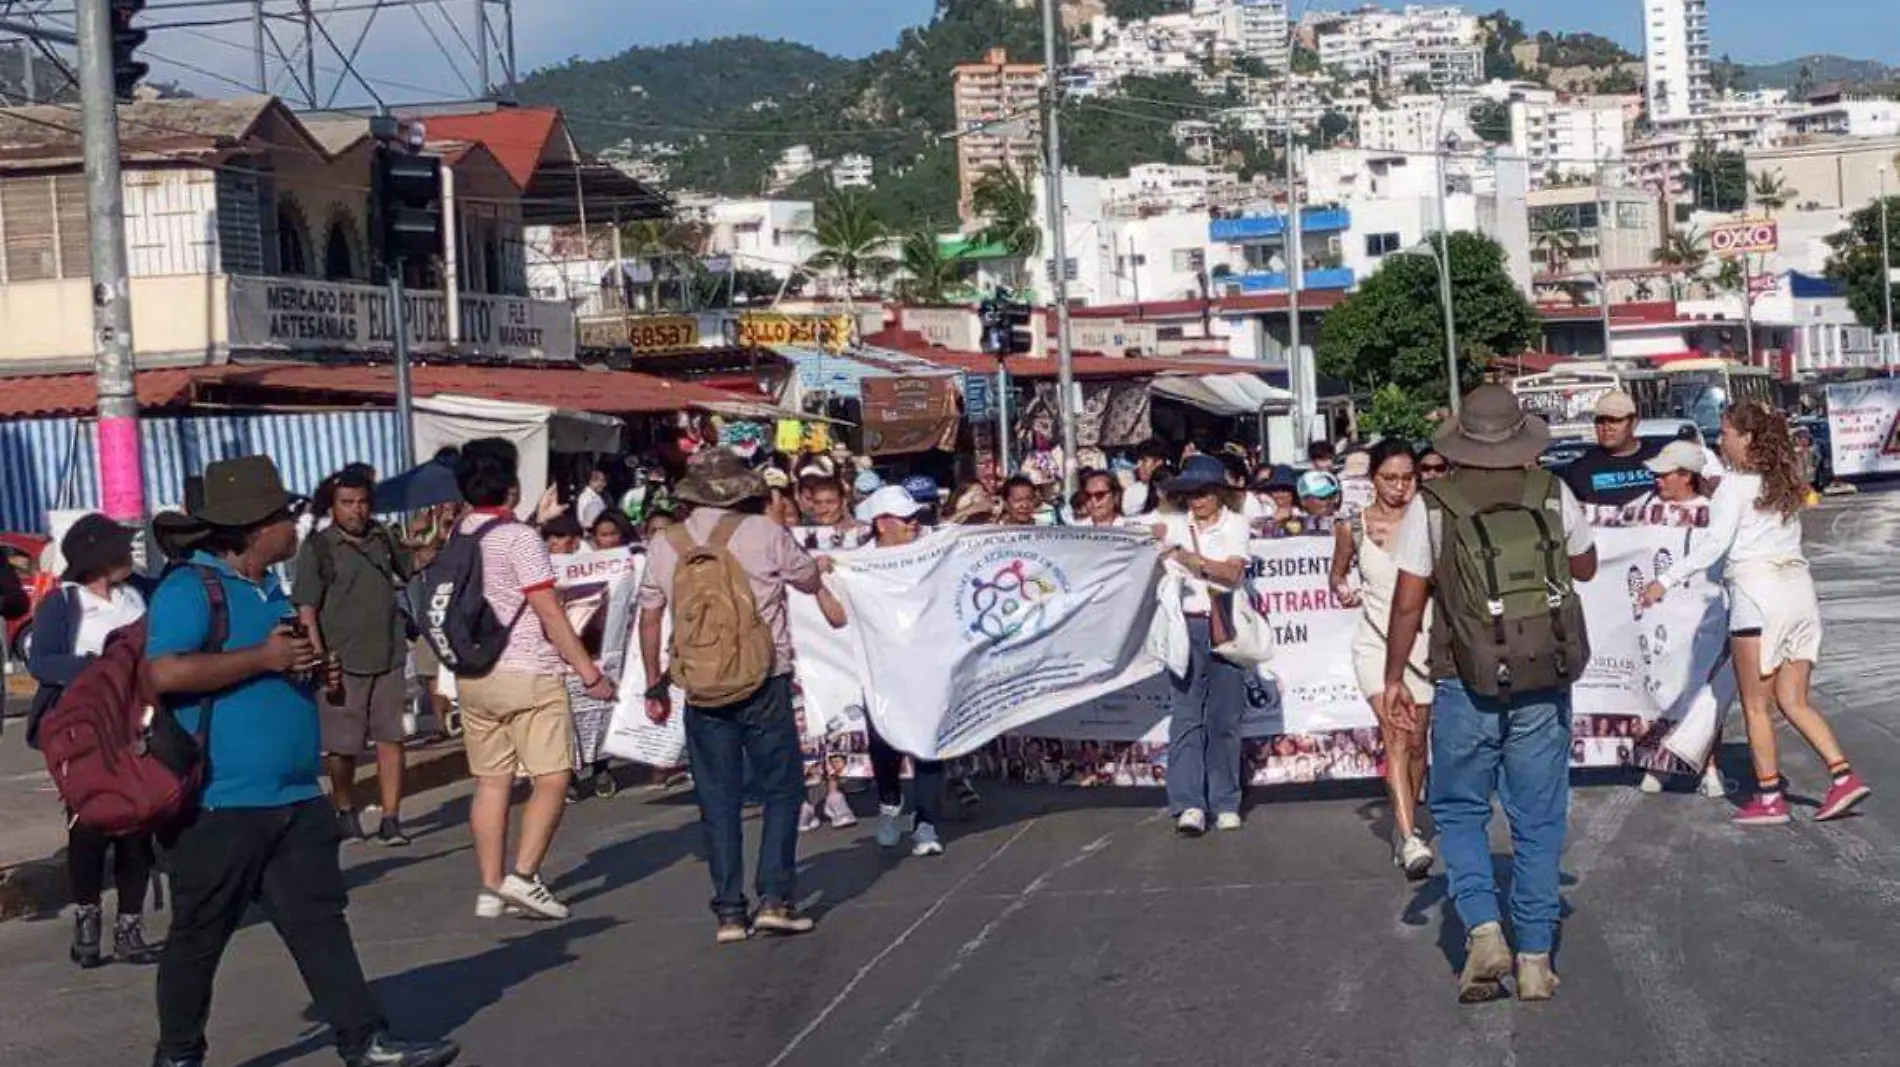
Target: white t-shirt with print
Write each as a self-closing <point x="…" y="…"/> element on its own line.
<point x="1222" y="540"/>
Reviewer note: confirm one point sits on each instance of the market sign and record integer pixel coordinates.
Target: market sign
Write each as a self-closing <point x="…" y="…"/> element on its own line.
<point x="1749" y="237"/>
<point x="302" y="315"/>
<point x="909" y="414"/>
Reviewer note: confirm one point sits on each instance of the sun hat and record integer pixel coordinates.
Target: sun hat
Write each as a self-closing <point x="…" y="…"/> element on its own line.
<point x="1279" y="477"/>
<point x="716" y="478"/>
<point x="1491" y="432"/>
<point x="1199" y="472"/>
<point x="1615" y="404"/>
<point x="93" y="544"/>
<point x="242" y="492"/>
<point x="1356" y="464"/>
<point x="1679" y="456"/>
<point x="1321" y="485"/>
<point x="892" y="501"/>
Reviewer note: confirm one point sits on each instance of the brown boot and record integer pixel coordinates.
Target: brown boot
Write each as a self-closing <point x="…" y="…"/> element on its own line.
<point x="1487" y="961"/>
<point x="1535" y="979"/>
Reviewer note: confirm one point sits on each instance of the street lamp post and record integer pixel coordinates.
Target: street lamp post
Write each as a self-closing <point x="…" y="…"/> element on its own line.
<point x="1886" y="265"/>
<point x="1445" y="145"/>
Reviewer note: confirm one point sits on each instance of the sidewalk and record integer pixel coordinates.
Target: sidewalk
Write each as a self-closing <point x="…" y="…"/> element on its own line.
<point x="33" y="836"/>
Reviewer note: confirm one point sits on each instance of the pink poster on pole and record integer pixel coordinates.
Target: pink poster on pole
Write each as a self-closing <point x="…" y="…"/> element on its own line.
<point x="121" y="486"/>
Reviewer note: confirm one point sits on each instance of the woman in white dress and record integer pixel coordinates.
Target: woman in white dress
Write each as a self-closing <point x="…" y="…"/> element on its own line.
<point x="1366" y="540"/>
<point x="1774" y="615"/>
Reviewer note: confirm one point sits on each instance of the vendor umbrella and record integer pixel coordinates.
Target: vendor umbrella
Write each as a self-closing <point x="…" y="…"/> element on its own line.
<point x="421" y="487"/>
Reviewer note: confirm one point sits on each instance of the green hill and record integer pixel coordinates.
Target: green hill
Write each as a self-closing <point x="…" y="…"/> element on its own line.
<point x="1819" y="70"/>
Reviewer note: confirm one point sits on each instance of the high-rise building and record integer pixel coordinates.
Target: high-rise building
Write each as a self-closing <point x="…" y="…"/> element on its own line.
<point x="1676" y="38"/>
<point x="998" y="119"/>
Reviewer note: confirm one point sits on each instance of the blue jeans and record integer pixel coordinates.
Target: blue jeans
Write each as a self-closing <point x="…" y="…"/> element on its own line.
<point x="1204" y="729"/>
<point x="720" y="742"/>
<point x="1520" y="749"/>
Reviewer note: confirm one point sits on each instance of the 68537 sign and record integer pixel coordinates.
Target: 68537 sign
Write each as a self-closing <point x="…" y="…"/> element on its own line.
<point x="662" y="333"/>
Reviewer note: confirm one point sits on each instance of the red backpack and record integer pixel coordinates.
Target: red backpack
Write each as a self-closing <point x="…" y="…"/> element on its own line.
<point x="122" y="761"/>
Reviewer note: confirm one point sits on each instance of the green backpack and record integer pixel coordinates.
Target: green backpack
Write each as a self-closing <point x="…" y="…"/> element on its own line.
<point x="1506" y="602"/>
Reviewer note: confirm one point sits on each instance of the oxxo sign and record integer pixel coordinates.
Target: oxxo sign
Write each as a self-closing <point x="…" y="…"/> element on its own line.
<point x="1749" y="237"/>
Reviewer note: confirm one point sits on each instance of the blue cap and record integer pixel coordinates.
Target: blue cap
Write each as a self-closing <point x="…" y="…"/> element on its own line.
<point x="867" y="482"/>
<point x="922" y="488"/>
<point x="1199" y="472"/>
<point x="1318" y="484"/>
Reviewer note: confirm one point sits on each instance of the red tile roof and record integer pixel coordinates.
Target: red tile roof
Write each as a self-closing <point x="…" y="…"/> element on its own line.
<point x="517" y="136"/>
<point x="288" y="384"/>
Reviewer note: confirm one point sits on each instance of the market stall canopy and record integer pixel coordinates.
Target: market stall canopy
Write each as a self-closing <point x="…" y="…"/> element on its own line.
<point x="422" y="486"/>
<point x="447" y="420"/>
<point x="1221" y="394"/>
<point x="842" y="375"/>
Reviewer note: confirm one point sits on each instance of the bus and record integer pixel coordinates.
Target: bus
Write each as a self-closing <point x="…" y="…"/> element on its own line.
<point x="1699" y="390"/>
<point x="1566" y="395"/>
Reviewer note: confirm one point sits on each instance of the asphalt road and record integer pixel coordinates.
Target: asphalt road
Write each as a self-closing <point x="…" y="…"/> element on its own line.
<point x="1068" y="927"/>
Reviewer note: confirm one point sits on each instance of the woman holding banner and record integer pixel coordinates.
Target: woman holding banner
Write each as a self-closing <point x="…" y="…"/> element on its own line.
<point x="1207" y="545"/>
<point x="1366" y="540"/>
<point x="1774" y="615"/>
<point x="1679" y="484"/>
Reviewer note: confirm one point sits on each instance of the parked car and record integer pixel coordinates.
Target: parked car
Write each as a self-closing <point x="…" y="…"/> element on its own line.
<point x="23" y="553"/>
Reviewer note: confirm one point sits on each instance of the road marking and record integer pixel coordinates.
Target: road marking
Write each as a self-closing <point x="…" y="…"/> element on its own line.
<point x="896" y="943"/>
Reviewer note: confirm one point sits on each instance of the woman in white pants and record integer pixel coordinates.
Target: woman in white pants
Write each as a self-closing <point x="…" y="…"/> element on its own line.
<point x="1774" y="615"/>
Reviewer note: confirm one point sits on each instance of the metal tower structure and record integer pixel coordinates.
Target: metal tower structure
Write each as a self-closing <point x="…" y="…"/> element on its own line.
<point x="318" y="55"/>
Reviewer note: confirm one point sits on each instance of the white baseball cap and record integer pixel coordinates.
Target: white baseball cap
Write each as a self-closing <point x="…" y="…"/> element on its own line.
<point x="1679" y="456"/>
<point x="892" y="500"/>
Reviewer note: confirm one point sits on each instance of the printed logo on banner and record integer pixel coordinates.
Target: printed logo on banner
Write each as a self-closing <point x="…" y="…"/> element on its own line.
<point x="1006" y="598"/>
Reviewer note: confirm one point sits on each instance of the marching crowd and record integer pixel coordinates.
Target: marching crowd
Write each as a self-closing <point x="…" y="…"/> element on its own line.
<point x="1462" y="559"/>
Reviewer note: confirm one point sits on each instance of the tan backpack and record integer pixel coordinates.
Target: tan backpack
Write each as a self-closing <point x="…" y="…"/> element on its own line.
<point x="721" y="650"/>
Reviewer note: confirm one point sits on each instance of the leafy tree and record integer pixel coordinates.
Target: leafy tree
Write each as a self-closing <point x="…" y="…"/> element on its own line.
<point x="1728" y="76"/>
<point x="1006" y="202"/>
<point x="1771" y="190"/>
<point x="851" y="240"/>
<point x="929" y="273"/>
<point x="664" y="245"/>
<point x="1505" y="33"/>
<point x="1491" y="120"/>
<point x="1581" y="50"/>
<point x="1619" y="80"/>
<point x="1132" y="10"/>
<point x="1305" y="60"/>
<point x="1718" y="180"/>
<point x="1686" y="250"/>
<point x="1855" y="260"/>
<point x="1331" y="127"/>
<point x="1397" y="413"/>
<point x="742" y="286"/>
<point x="1391" y="331"/>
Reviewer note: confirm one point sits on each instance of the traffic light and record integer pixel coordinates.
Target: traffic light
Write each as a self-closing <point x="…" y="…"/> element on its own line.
<point x="127" y="72"/>
<point x="409" y="193"/>
<point x="1005" y="323"/>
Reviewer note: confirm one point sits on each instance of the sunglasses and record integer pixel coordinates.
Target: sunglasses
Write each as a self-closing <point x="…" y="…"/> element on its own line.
<point x="1098" y="494"/>
<point x="1434" y="468"/>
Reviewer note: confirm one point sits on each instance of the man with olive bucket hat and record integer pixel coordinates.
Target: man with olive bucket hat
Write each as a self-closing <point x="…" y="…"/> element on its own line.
<point x="262" y="831"/>
<point x="1498" y="546"/>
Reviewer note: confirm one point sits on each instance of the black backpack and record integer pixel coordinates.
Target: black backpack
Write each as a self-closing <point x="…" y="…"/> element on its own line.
<point x="452" y="611"/>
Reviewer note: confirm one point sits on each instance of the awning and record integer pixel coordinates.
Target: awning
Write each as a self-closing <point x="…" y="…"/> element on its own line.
<point x="1221" y="394"/>
<point x="843" y="375"/>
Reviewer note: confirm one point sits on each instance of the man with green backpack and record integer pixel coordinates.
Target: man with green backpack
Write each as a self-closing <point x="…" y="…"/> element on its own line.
<point x="1498" y="547"/>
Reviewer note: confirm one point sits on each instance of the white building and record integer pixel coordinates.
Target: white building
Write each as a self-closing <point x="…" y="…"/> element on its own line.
<point x="1845" y="118"/>
<point x="1443" y="45"/>
<point x="853" y="171"/>
<point x="1568" y="139"/>
<point x="1415" y="123"/>
<point x="1263" y="31"/>
<point x="793" y="163"/>
<point x="1676" y="52"/>
<point x="769" y="235"/>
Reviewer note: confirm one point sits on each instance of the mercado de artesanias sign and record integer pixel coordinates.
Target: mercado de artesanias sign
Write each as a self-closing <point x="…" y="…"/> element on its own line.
<point x="308" y="316"/>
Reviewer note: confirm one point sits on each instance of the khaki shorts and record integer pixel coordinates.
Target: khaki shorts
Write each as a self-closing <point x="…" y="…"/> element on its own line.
<point x="371" y="711"/>
<point x="513" y="721"/>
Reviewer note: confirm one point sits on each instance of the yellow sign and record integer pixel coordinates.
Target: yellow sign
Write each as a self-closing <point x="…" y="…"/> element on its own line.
<point x="803" y="331"/>
<point x="662" y="333"/>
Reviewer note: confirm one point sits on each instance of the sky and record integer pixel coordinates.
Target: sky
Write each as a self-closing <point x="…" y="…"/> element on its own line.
<point x="402" y="62"/>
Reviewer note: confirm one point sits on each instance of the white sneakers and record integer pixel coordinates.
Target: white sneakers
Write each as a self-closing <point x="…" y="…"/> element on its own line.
<point x="1413" y="856"/>
<point x="1712" y="784"/>
<point x="531" y="895"/>
<point x="890" y="832"/>
<point x="924" y="841"/>
<point x="1227" y="820"/>
<point x="1650" y="784"/>
<point x="1191" y="823"/>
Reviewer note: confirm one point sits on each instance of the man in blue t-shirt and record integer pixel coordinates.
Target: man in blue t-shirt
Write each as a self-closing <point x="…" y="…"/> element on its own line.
<point x="262" y="831"/>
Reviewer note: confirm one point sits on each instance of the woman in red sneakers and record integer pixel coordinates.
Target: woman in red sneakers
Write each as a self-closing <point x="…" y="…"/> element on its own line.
<point x="1774" y="616"/>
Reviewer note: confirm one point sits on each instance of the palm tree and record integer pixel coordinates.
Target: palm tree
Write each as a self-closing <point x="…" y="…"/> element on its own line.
<point x="851" y="240"/>
<point x="1687" y="251"/>
<point x="1772" y="191"/>
<point x="931" y="273"/>
<point x="1006" y="203"/>
<point x="657" y="243"/>
<point x="1558" y="247"/>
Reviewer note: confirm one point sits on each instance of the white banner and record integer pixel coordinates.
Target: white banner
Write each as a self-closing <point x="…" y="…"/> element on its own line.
<point x="630" y="734"/>
<point x="1863" y="422"/>
<point x="306" y="315"/>
<point x="975" y="631"/>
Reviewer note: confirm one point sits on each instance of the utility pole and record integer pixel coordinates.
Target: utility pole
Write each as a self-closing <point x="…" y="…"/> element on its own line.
<point x="1059" y="288"/>
<point x="1299" y="373"/>
<point x="1444" y="147"/>
<point x="1886" y="270"/>
<point x="121" y="480"/>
